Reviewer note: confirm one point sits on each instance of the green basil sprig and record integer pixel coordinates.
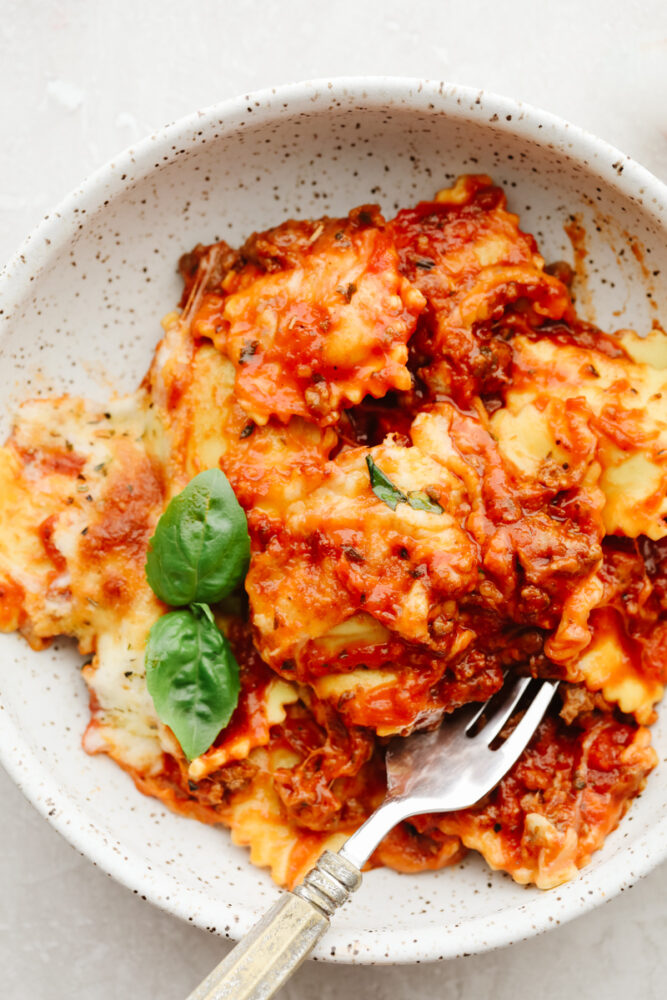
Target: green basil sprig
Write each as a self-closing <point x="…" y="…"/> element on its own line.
<point x="198" y="554"/>
<point x="383" y="487"/>
<point x="192" y="676"/>
<point x="419" y="500"/>
<point x="385" y="490"/>
<point x="200" y="549"/>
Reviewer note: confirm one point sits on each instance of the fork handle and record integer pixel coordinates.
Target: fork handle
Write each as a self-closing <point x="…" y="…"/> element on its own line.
<point x="260" y="964"/>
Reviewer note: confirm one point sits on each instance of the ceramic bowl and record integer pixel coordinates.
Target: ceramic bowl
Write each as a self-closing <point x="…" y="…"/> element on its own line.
<point x="81" y="305"/>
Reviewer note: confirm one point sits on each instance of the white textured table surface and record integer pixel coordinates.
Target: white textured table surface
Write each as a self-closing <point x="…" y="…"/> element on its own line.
<point x="81" y="79"/>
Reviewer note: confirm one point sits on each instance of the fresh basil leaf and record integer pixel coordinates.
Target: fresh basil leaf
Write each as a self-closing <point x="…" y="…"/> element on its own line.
<point x="192" y="677"/>
<point x="419" y="500"/>
<point x="200" y="549"/>
<point x="385" y="490"/>
<point x="383" y="487"/>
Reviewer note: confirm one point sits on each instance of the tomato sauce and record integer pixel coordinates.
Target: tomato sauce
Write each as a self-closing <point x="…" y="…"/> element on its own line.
<point x="402" y="564"/>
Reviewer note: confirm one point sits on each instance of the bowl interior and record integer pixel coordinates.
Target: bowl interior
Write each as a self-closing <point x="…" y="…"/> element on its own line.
<point x="82" y="305"/>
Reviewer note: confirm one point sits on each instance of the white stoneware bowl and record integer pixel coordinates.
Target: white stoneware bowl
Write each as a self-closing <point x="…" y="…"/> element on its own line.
<point x="81" y="305"/>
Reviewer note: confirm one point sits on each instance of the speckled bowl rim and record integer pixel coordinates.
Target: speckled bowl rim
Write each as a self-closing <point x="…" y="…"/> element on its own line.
<point x="472" y="935"/>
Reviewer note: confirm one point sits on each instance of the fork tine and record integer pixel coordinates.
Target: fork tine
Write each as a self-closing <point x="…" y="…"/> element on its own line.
<point x="512" y="693"/>
<point x="518" y="739"/>
<point x="461" y="720"/>
<point x="492" y="765"/>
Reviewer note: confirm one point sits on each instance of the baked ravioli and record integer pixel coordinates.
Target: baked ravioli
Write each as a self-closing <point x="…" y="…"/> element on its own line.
<point x="521" y="527"/>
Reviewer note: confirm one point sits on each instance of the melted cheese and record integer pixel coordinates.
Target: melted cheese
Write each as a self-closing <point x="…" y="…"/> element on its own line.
<point x="374" y="551"/>
<point x="627" y="407"/>
<point x="323" y="328"/>
<point x="124" y="723"/>
<point x="67" y="472"/>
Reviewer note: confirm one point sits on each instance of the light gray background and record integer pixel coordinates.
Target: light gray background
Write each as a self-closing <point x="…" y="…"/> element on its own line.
<point x="81" y="79"/>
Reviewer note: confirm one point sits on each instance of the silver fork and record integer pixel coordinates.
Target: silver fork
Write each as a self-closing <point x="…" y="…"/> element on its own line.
<point x="450" y="768"/>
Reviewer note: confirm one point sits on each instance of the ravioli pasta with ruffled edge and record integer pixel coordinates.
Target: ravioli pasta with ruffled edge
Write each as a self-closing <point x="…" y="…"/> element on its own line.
<point x="528" y="450"/>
